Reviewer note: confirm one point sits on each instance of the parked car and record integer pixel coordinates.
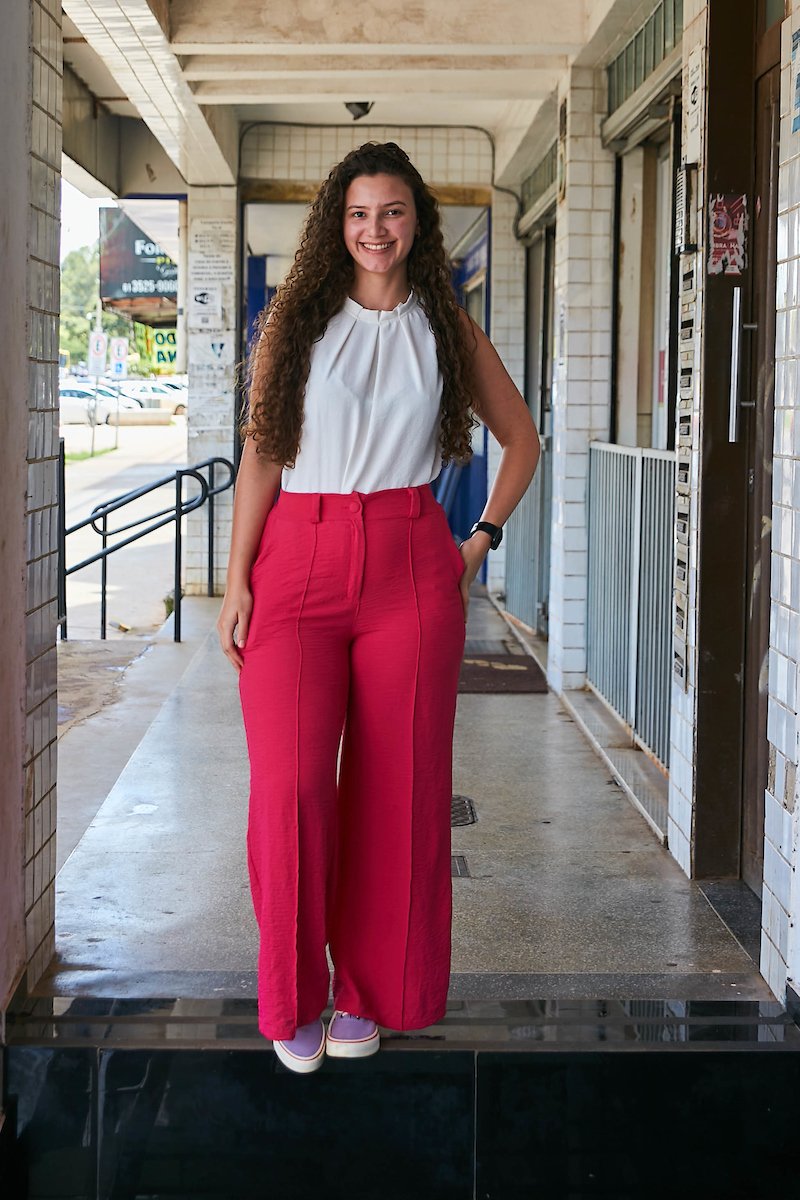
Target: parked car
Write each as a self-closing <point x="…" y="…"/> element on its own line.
<point x="156" y="394"/>
<point x="75" y="402"/>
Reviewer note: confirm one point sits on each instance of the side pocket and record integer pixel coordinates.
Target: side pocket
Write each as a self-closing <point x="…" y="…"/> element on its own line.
<point x="459" y="565"/>
<point x="265" y="546"/>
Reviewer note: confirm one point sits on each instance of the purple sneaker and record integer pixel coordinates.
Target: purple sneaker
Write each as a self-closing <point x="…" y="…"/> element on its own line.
<point x="306" y="1050"/>
<point x="350" y="1036"/>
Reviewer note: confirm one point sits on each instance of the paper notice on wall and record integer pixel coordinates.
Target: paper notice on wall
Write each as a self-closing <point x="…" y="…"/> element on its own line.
<point x="212" y="359"/>
<point x="693" y="106"/>
<point x="205" y="306"/>
<point x="212" y="251"/>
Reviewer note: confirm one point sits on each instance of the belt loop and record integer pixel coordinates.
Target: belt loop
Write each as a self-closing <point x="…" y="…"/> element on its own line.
<point x="315" y="499"/>
<point x="414" y="495"/>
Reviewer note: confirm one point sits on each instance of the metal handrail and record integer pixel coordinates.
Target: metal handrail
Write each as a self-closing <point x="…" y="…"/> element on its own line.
<point x="98" y="519"/>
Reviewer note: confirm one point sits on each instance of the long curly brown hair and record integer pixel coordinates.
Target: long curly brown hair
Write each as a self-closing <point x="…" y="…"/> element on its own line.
<point x="314" y="290"/>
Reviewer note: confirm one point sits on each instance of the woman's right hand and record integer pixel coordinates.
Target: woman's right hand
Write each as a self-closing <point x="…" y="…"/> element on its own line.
<point x="235" y="615"/>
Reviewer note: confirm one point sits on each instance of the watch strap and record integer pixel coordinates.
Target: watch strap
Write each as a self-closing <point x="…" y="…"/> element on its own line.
<point x="495" y="532"/>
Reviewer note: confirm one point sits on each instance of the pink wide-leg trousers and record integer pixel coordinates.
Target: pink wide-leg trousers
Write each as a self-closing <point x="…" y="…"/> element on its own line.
<point x="357" y="630"/>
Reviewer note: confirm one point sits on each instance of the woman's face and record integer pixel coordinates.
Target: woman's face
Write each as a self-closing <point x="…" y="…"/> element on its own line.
<point x="380" y="221"/>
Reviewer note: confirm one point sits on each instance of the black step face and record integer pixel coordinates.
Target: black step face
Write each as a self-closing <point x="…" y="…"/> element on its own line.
<point x="576" y="1101"/>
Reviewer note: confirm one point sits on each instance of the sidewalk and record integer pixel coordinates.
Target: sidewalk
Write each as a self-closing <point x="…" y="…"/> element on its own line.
<point x="569" y="893"/>
<point x="142" y="575"/>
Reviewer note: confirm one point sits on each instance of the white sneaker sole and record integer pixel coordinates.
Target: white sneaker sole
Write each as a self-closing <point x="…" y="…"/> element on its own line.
<point x="339" y="1048"/>
<point x="295" y="1063"/>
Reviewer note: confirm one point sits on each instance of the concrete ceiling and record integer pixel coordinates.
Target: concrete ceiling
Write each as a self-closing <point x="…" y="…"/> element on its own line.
<point x="192" y="70"/>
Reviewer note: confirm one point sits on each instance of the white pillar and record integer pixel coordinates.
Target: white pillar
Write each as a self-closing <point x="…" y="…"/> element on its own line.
<point x="211" y="355"/>
<point x="582" y="361"/>
<point x="507" y="332"/>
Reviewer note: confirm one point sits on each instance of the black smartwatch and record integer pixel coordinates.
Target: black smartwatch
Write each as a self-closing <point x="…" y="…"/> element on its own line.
<point x="494" y="531"/>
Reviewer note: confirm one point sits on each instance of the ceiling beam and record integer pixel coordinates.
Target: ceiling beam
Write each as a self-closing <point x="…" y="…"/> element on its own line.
<point x="454" y="85"/>
<point x="218" y="66"/>
<point x="551" y="26"/>
<point x="250" y="48"/>
<point x="129" y="39"/>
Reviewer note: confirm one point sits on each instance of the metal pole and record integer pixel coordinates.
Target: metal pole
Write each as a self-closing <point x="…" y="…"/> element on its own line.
<point x="176" y="607"/>
<point x="103" y="578"/>
<point x="62" y="539"/>
<point x="211" y="529"/>
<point x="93" y="414"/>
<point x="633" y="617"/>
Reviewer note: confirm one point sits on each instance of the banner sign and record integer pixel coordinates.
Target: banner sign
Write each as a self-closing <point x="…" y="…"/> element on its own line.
<point x="131" y="265"/>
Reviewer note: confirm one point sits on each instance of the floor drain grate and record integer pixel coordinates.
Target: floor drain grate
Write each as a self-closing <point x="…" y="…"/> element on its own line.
<point x="458" y="866"/>
<point x="462" y="811"/>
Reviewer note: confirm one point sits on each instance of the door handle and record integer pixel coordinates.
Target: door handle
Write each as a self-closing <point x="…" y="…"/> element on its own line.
<point x="734" y="403"/>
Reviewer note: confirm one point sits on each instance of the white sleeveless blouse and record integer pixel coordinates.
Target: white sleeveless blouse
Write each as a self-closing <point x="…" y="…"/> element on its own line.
<point x="372" y="403"/>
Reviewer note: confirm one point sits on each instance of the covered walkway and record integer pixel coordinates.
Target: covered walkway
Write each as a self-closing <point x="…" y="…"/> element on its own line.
<point x="568" y="892"/>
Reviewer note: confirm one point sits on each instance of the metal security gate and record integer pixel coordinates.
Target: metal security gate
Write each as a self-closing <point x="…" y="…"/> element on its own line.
<point x="528" y="552"/>
<point x="629" y="619"/>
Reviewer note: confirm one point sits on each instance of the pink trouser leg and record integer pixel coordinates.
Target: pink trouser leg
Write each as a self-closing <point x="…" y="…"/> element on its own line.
<point x="293" y="688"/>
<point x="357" y="621"/>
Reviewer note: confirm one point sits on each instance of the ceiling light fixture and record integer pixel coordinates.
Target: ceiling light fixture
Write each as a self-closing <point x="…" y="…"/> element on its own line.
<point x="359" y="108"/>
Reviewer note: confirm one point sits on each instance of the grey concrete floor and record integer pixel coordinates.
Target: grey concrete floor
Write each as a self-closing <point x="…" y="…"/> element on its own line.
<point x="109" y="692"/>
<point x="569" y="892"/>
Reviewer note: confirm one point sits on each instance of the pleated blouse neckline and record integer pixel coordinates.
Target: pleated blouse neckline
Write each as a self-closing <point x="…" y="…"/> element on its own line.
<point x="378" y="315"/>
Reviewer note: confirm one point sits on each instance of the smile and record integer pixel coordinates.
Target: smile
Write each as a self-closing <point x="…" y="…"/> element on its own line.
<point x="377" y="245"/>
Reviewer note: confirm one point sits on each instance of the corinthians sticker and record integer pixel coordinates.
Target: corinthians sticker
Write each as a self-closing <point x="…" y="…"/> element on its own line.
<point x="727" y="235"/>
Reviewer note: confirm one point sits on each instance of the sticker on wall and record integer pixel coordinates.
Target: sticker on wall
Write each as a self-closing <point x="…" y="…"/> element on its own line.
<point x="796" y="69"/>
<point x="727" y="235"/>
<point x="205" y="306"/>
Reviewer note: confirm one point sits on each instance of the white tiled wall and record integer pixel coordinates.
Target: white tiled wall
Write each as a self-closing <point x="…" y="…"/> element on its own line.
<point x="307" y="153"/>
<point x="42" y="499"/>
<point x="581" y="391"/>
<point x="780" y="945"/>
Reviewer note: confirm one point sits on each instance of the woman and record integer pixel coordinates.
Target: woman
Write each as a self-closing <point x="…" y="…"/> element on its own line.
<point x="346" y="607"/>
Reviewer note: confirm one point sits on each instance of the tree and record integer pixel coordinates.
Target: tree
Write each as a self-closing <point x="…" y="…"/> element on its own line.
<point x="80" y="284"/>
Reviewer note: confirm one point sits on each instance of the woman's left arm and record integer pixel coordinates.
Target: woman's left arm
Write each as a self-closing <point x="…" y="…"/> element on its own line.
<point x="507" y="416"/>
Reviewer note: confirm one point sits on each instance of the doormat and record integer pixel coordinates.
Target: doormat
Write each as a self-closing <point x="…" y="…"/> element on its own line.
<point x="501" y="673"/>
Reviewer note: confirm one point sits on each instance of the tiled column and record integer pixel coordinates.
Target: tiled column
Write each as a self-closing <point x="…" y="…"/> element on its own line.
<point x="780" y="942"/>
<point x="582" y="362"/>
<point x="211" y="354"/>
<point x="30" y="143"/>
<point x="507" y="331"/>
<point x="44" y="246"/>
